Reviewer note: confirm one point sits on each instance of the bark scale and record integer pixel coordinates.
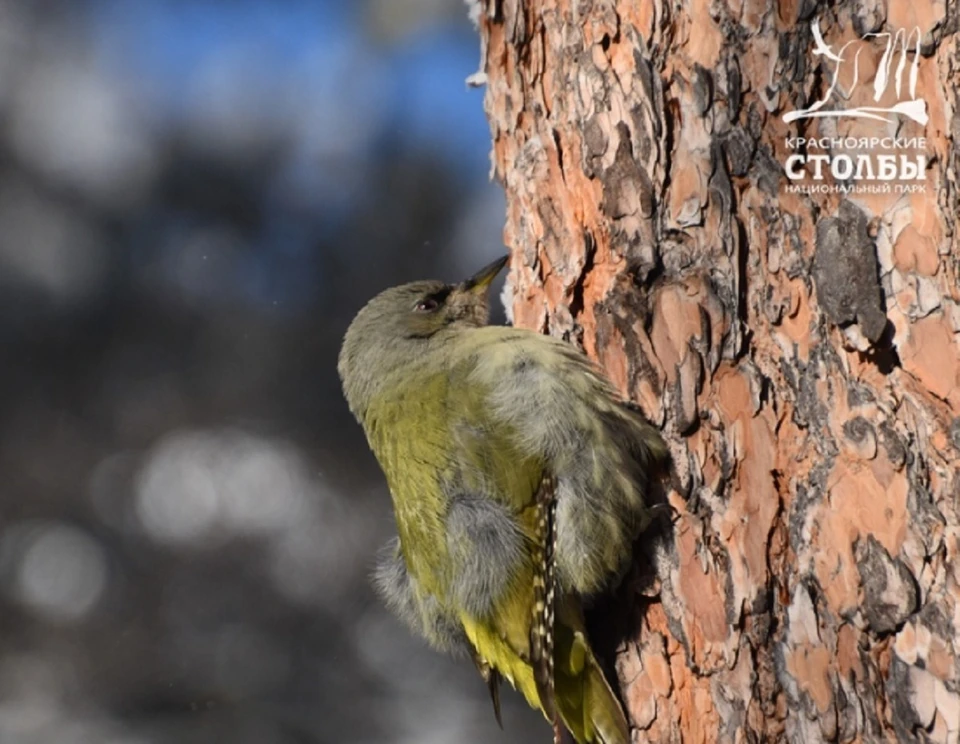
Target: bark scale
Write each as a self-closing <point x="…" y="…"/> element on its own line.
<point x="800" y="350"/>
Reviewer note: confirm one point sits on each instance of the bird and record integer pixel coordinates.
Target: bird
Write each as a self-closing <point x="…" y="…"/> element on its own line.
<point x="519" y="480"/>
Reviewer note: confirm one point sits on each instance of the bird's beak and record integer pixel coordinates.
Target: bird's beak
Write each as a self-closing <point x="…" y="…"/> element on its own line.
<point x="479" y="282"/>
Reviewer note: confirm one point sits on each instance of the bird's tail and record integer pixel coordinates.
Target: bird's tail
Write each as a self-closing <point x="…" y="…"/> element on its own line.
<point x="584" y="699"/>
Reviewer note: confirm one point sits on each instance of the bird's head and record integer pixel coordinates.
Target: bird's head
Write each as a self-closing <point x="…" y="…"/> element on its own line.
<point x="395" y="328"/>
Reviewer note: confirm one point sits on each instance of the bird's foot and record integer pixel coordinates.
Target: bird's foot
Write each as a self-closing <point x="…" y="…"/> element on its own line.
<point x="665" y="509"/>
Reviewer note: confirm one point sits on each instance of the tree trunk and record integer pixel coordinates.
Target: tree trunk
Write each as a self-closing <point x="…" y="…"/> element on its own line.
<point x="795" y="337"/>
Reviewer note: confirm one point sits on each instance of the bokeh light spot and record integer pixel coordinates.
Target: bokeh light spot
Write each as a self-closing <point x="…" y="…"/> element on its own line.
<point x="61" y="572"/>
<point x="176" y="498"/>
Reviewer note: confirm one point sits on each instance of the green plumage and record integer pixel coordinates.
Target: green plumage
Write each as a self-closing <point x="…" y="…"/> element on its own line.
<point x="518" y="482"/>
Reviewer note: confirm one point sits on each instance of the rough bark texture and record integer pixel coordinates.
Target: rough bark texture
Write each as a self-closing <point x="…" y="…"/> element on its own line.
<point x="801" y="352"/>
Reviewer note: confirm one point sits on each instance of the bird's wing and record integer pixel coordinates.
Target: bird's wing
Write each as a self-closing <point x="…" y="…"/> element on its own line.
<point x="552" y="404"/>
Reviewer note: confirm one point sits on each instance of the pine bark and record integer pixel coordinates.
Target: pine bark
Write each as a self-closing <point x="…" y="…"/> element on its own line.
<point x="801" y="352"/>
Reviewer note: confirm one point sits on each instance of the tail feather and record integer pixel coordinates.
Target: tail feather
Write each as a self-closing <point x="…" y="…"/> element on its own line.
<point x="584" y="699"/>
<point x="603" y="709"/>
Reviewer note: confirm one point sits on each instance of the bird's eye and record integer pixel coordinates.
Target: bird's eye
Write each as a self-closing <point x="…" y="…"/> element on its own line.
<point x="426" y="305"/>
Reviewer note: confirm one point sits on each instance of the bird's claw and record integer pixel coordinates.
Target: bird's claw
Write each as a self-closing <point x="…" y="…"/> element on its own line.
<point x="664" y="508"/>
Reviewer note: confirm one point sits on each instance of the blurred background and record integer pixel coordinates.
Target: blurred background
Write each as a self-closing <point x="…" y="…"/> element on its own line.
<point x="195" y="198"/>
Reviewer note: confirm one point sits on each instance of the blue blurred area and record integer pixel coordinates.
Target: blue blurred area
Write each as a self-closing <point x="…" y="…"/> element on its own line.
<point x="306" y="79"/>
<point x="285" y="59"/>
<point x="433" y="109"/>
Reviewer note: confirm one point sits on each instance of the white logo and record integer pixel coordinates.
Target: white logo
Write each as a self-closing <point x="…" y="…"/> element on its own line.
<point x="912" y="108"/>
